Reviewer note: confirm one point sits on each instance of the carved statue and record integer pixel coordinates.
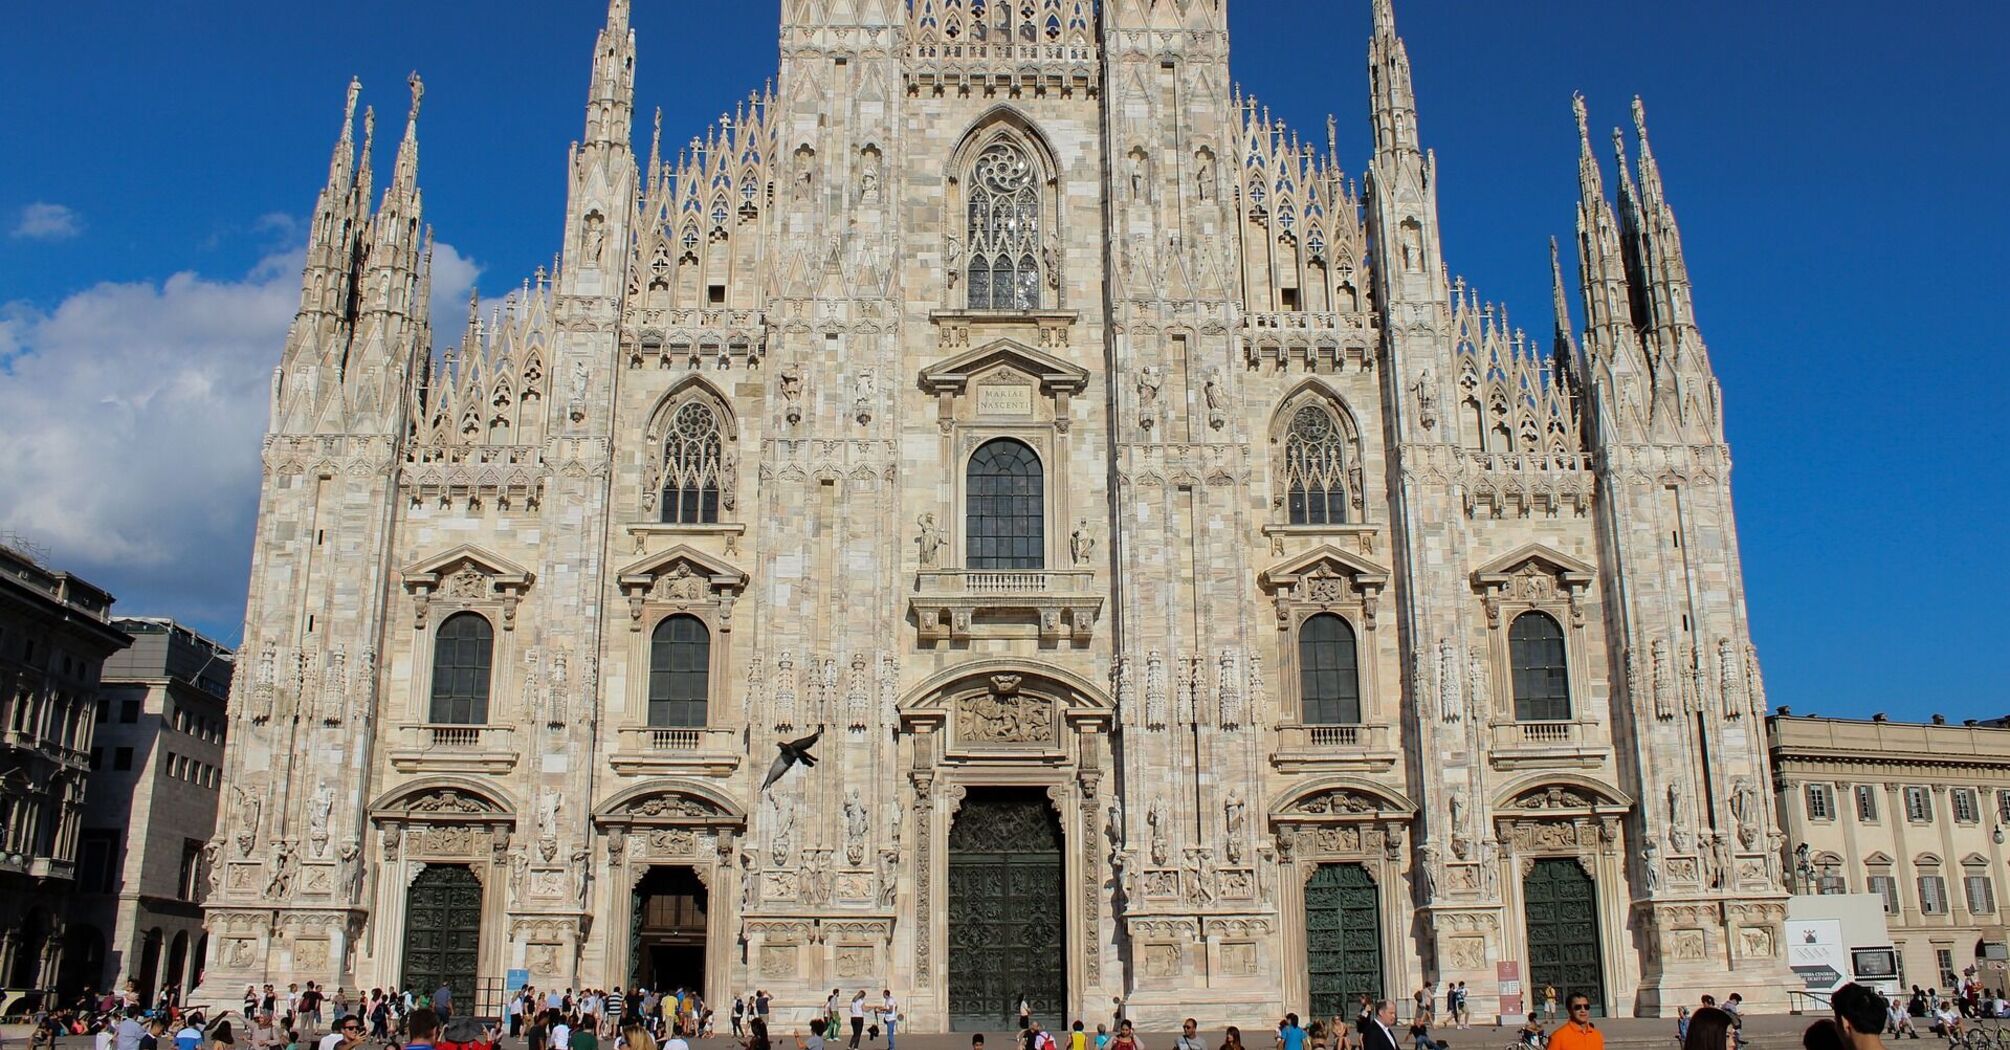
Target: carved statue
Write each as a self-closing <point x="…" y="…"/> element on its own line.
<point x="749" y="880"/>
<point x="1199" y="884"/>
<point x="952" y="258"/>
<point x="1082" y="544"/>
<point x="868" y="178"/>
<point x="1427" y="397"/>
<point x="889" y="876"/>
<point x="893" y="816"/>
<point x="519" y="878"/>
<point x="596" y="239"/>
<point x="248" y="810"/>
<point x="854" y="828"/>
<point x="549" y="802"/>
<point x="280" y="885"/>
<point x="1427" y="871"/>
<point x="1155" y="819"/>
<point x="350" y="853"/>
<point x="1150" y="380"/>
<point x="1113" y="829"/>
<point x="1650" y="866"/>
<point x="863" y="389"/>
<point x="1460" y="834"/>
<point x="782" y="842"/>
<point x="1745" y="808"/>
<point x="1050" y="258"/>
<point x="579" y="868"/>
<point x="318" y="809"/>
<point x="930" y="541"/>
<point x="211" y="870"/>
<point x="1678" y="819"/>
<point x="1217" y="399"/>
<point x="1234" y="816"/>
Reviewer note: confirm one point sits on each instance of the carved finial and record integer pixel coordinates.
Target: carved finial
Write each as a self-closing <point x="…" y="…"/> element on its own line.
<point x="418" y="87"/>
<point x="1583" y="119"/>
<point x="1640" y="116"/>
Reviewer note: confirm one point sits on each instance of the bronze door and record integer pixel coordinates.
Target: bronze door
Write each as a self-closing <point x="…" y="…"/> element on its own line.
<point x="1007" y="919"/>
<point x="443" y="923"/>
<point x="1560" y="905"/>
<point x="1343" y="939"/>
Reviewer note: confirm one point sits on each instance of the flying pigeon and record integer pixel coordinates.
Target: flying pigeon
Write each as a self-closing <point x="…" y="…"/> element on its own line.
<point x="793" y="752"/>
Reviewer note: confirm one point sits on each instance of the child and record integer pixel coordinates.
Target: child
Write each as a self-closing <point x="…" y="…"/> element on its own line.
<point x="1078" y="1039"/>
<point x="1102" y="1036"/>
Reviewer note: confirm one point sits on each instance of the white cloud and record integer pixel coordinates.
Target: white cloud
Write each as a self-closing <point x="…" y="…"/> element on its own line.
<point x="43" y="221"/>
<point x="130" y="425"/>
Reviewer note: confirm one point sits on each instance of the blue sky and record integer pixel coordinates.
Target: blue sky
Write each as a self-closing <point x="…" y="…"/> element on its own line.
<point x="1836" y="168"/>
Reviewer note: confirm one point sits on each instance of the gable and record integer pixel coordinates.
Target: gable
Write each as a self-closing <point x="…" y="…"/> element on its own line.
<point x="1053" y="374"/>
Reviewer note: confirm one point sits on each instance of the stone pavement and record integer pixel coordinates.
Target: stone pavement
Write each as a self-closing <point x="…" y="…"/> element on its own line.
<point x="1765" y="1032"/>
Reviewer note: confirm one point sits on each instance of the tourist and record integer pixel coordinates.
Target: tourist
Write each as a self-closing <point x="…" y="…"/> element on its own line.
<point x="1947" y="1022"/>
<point x="1577" y="1032"/>
<point x="220" y="1037"/>
<point x="1037" y="1037"/>
<point x="763" y="1002"/>
<point x="422" y="1026"/>
<point x="816" y="1039"/>
<point x="129" y="1031"/>
<point x="1189" y="1036"/>
<point x="1463" y="1014"/>
<point x="634" y="1037"/>
<point x="739" y="1015"/>
<point x="1025" y="1012"/>
<point x="1531" y="1036"/>
<point x="1289" y="1035"/>
<point x="1898" y="1021"/>
<point x="561" y="1033"/>
<point x="1824" y="1034"/>
<point x="1127" y="1037"/>
<point x="587" y="1035"/>
<point x="889" y="1014"/>
<point x="443" y="1002"/>
<point x="857" y="1018"/>
<point x="1420" y="1028"/>
<point x="1078" y="1038"/>
<point x="1710" y="1029"/>
<point x="1102" y="1036"/>
<point x="1378" y="1033"/>
<point x="757" y="1034"/>
<point x="1549" y="1002"/>
<point x="156" y="1030"/>
<point x="1231" y="1039"/>
<point x="1862" y="1016"/>
<point x="617" y="1012"/>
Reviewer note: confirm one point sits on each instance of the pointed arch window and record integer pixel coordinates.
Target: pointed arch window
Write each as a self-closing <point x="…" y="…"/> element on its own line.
<point x="1006" y="270"/>
<point x="1541" y="680"/>
<point x="1005" y="509"/>
<point x="680" y="661"/>
<point x="1329" y="674"/>
<point x="1315" y="468"/>
<point x="692" y="458"/>
<point x="463" y="654"/>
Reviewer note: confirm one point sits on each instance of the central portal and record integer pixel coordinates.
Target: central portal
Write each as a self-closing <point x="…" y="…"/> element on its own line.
<point x="1007" y="922"/>
<point x="669" y="935"/>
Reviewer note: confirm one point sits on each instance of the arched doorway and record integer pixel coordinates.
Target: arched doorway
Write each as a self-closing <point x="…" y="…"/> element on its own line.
<point x="29" y="945"/>
<point x="1007" y="917"/>
<point x="83" y="961"/>
<point x="148" y="973"/>
<point x="443" y="913"/>
<point x="1343" y="938"/>
<point x="177" y="963"/>
<point x="1560" y="908"/>
<point x="668" y="939"/>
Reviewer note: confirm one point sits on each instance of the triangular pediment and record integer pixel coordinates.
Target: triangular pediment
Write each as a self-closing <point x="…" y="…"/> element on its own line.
<point x="1565" y="568"/>
<point x="1053" y="374"/>
<point x="464" y="557"/>
<point x="1325" y="560"/>
<point x="683" y="559"/>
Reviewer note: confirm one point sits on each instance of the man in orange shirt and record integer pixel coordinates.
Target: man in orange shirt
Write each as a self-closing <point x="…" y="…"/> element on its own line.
<point x="1577" y="1033"/>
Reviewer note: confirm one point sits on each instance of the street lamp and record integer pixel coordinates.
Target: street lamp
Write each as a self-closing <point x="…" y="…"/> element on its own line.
<point x="1804" y="868"/>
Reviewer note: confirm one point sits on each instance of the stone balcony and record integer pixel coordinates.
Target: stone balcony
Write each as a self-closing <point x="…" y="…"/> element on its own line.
<point x="442" y="748"/>
<point x="1555" y="745"/>
<point x="658" y="751"/>
<point x="955" y="605"/>
<point x="1326" y="748"/>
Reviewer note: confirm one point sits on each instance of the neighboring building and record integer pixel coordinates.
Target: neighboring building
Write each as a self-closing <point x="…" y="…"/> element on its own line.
<point x="158" y="767"/>
<point x="1916" y="814"/>
<point x="55" y="633"/>
<point x="1207" y="602"/>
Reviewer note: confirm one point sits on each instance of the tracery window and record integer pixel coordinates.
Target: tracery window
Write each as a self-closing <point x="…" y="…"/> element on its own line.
<point x="1006" y="270"/>
<point x="1005" y="510"/>
<point x="680" y="660"/>
<point x="1315" y="468"/>
<point x="463" y="652"/>
<point x="1541" y="679"/>
<point x="692" y="456"/>
<point x="1329" y="677"/>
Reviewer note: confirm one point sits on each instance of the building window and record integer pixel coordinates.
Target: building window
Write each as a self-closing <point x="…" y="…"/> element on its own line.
<point x="1315" y="468"/>
<point x="461" y="659"/>
<point x="1944" y="957"/>
<point x="1821" y="803"/>
<point x="104" y="711"/>
<point x="1828" y="877"/>
<point x="1005" y="243"/>
<point x="1886" y="887"/>
<point x="680" y="660"/>
<point x="129" y="712"/>
<point x="191" y="868"/>
<point x="1329" y="679"/>
<point x="1541" y="682"/>
<point x="1966" y="809"/>
<point x="1866" y="803"/>
<point x="97" y="861"/>
<point x="122" y="758"/>
<point x="1932" y="895"/>
<point x="1005" y="509"/>
<point x="1981" y="892"/>
<point x="2003" y="807"/>
<point x="1918" y="805"/>
<point x="692" y="457"/>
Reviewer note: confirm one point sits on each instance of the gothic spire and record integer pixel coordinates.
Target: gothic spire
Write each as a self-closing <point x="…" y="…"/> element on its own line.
<point x="1395" y="98"/>
<point x="1565" y="348"/>
<point x="1660" y="241"/>
<point x="1608" y="318"/>
<point x="611" y="100"/>
<point x="405" y="176"/>
<point x="342" y="163"/>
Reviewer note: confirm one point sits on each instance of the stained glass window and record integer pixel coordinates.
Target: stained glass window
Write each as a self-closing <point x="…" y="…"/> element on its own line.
<point x="691" y="466"/>
<point x="1315" y="468"/>
<point x="1006" y="271"/>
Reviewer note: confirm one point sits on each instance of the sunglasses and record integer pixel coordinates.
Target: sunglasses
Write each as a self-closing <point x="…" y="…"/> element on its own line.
<point x="1574" y="1007"/>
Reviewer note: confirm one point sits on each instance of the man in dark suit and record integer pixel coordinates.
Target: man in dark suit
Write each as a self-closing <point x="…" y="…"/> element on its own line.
<point x="1378" y="1033"/>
